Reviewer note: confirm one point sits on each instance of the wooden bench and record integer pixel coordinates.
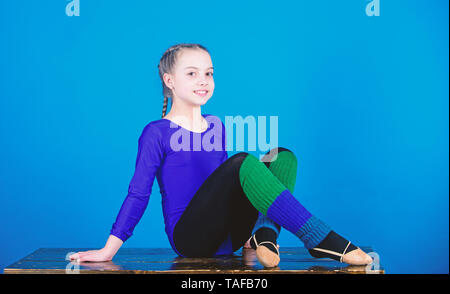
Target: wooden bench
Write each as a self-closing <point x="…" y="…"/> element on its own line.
<point x="163" y="260"/>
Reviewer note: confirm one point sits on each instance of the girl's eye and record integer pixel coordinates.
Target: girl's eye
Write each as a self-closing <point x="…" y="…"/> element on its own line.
<point x="211" y="74"/>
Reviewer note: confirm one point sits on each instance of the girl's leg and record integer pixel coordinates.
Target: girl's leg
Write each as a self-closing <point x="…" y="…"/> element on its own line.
<point x="235" y="225"/>
<point x="283" y="164"/>
<point x="212" y="214"/>
<point x="274" y="200"/>
<point x="218" y="211"/>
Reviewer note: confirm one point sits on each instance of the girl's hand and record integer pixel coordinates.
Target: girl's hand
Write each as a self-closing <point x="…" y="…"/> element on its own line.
<point x="92" y="255"/>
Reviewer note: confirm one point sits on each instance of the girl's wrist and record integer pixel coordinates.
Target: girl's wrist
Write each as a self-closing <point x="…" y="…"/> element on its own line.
<point x="112" y="246"/>
<point x="108" y="252"/>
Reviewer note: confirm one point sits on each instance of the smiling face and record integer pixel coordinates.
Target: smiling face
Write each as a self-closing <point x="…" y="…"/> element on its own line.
<point x="193" y="73"/>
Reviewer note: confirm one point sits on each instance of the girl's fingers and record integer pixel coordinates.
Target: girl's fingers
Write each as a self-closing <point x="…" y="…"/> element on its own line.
<point x="84" y="252"/>
<point x="91" y="255"/>
<point x="84" y="257"/>
<point x="74" y="256"/>
<point x="78" y="255"/>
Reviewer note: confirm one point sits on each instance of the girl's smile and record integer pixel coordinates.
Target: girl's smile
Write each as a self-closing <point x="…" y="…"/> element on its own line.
<point x="201" y="93"/>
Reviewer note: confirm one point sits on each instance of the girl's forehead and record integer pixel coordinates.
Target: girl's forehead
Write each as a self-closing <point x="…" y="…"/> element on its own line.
<point x="196" y="58"/>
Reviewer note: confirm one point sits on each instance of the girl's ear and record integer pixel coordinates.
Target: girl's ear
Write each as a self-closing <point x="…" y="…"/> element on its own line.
<point x="168" y="80"/>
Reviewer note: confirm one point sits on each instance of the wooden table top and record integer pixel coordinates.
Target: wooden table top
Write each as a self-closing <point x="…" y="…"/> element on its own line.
<point x="164" y="260"/>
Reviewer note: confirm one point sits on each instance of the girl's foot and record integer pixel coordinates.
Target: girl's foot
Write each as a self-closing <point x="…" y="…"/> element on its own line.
<point x="247" y="244"/>
<point x="338" y="248"/>
<point x="264" y="242"/>
<point x="267" y="257"/>
<point x="357" y="257"/>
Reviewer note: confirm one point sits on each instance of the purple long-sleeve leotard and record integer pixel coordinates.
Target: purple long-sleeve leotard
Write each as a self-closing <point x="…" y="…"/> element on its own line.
<point x="181" y="160"/>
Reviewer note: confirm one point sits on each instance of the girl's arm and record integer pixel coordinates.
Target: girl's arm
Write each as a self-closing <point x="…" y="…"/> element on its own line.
<point x="148" y="160"/>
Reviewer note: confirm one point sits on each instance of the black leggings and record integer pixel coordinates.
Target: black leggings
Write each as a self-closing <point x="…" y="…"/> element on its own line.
<point x="219" y="208"/>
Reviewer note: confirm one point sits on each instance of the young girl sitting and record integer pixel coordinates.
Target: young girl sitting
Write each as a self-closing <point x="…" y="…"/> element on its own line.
<point x="213" y="204"/>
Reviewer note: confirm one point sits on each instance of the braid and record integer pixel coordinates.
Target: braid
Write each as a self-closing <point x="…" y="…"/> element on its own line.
<point x="164" y="106"/>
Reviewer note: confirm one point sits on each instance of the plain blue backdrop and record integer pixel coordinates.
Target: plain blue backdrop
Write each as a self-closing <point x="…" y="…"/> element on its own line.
<point x="362" y="101"/>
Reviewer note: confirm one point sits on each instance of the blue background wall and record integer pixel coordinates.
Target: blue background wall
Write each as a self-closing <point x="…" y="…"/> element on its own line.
<point x="362" y="101"/>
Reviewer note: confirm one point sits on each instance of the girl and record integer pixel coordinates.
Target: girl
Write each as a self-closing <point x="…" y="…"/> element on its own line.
<point x="213" y="204"/>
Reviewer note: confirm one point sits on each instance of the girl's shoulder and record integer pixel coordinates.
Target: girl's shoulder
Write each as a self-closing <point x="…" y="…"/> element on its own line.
<point x="155" y="124"/>
<point x="153" y="131"/>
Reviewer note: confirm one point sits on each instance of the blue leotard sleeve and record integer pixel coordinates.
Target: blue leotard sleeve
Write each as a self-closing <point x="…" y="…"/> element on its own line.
<point x="149" y="158"/>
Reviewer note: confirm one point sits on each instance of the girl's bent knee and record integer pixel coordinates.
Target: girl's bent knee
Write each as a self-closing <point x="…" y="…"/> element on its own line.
<point x="272" y="155"/>
<point x="238" y="158"/>
<point x="240" y="154"/>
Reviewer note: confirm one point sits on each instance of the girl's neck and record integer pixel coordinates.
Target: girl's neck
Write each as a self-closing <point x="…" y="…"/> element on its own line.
<point x="188" y="116"/>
